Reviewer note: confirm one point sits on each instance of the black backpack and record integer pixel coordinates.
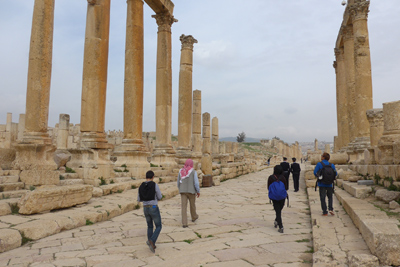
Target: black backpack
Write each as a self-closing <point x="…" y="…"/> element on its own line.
<point x="328" y="174"/>
<point x="147" y="191"/>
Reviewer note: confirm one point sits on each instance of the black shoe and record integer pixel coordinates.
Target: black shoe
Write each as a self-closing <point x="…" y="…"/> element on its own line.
<point x="151" y="245"/>
<point x="185" y="226"/>
<point x="280" y="230"/>
<point x="275" y="224"/>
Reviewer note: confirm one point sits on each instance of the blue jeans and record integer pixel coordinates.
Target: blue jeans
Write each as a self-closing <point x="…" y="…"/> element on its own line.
<point x="152" y="214"/>
<point x="323" y="192"/>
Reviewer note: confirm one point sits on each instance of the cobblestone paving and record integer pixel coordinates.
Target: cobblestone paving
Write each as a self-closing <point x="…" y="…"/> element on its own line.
<point x="235" y="228"/>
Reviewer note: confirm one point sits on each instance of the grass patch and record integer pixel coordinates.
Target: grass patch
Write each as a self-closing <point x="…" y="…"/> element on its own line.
<point x="88" y="222"/>
<point x="102" y="181"/>
<point x="153" y="165"/>
<point x="108" y="213"/>
<point x="98" y="206"/>
<point x="14" y="208"/>
<point x="116" y="170"/>
<point x="188" y="240"/>
<point x="198" y="235"/>
<point x="303" y="240"/>
<point x="62" y="177"/>
<point x="112" y="181"/>
<point x="32" y="188"/>
<point x="120" y="191"/>
<point x="311" y="250"/>
<point x="119" y="206"/>
<point x="160" y="180"/>
<point x="133" y="187"/>
<point x="25" y="239"/>
<point x="124" y="166"/>
<point x="137" y="206"/>
<point x="133" y="178"/>
<point x="126" y="170"/>
<point x="163" y="196"/>
<point x="209" y="236"/>
<point x="69" y="170"/>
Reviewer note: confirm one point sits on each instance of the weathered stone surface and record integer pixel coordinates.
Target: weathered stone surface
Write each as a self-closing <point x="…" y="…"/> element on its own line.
<point x="38" y="229"/>
<point x="386" y="195"/>
<point x="97" y="192"/>
<point x="358" y="191"/>
<point x="393" y="205"/>
<point x="39" y="177"/>
<point x="363" y="260"/>
<point x="354" y="178"/>
<point x="61" y="157"/>
<point x="7" y="156"/>
<point x="365" y="182"/>
<point x="346" y="174"/>
<point x="4" y="208"/>
<point x="44" y="199"/>
<point x="9" y="239"/>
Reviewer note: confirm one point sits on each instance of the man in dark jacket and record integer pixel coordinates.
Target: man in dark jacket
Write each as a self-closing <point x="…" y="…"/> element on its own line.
<point x="278" y="204"/>
<point x="286" y="170"/>
<point x="295" y="170"/>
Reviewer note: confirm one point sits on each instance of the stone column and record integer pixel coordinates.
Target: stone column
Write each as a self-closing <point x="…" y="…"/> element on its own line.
<point x="163" y="150"/>
<point x="362" y="62"/>
<point x="94" y="83"/>
<point x="328" y="148"/>
<point x="206" y="160"/>
<point x="196" y="127"/>
<point x="132" y="153"/>
<point x="315" y="145"/>
<point x="63" y="132"/>
<point x="348" y="41"/>
<point x="215" y="137"/>
<point x="341" y="99"/>
<point x="389" y="144"/>
<point x="375" y="118"/>
<point x="21" y="127"/>
<point x="185" y="92"/>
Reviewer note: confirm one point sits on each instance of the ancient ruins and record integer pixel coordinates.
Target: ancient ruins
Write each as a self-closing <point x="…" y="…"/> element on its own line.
<point x="45" y="168"/>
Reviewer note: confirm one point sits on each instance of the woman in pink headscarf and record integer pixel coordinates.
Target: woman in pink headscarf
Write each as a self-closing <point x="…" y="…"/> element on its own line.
<point x="188" y="185"/>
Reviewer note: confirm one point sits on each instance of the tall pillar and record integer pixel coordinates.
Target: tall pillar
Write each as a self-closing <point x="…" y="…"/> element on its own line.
<point x="348" y="50"/>
<point x="341" y="99"/>
<point x="163" y="153"/>
<point x="185" y="92"/>
<point x="376" y="122"/>
<point x="34" y="153"/>
<point x="196" y="127"/>
<point x="133" y="153"/>
<point x="362" y="62"/>
<point x="389" y="144"/>
<point x="206" y="160"/>
<point x="39" y="73"/>
<point x="21" y="127"/>
<point x="215" y="137"/>
<point x="63" y="131"/>
<point x="94" y="83"/>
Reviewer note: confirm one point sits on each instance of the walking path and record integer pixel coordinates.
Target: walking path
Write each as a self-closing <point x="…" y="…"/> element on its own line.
<point x="235" y="228"/>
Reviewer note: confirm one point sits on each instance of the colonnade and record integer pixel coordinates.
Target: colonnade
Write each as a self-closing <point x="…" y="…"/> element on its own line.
<point x="353" y="80"/>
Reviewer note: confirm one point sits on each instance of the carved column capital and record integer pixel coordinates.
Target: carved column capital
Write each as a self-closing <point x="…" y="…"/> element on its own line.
<point x="375" y="117"/>
<point x="359" y="10"/>
<point x="347" y="32"/>
<point x="164" y="21"/>
<point x="187" y="41"/>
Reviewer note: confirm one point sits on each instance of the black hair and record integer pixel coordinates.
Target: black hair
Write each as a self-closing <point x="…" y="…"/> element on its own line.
<point x="294" y="159"/>
<point x="149" y="174"/>
<point x="278" y="170"/>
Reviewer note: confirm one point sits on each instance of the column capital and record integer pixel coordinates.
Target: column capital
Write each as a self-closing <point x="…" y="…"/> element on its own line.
<point x="91" y="2"/>
<point x="347" y="32"/>
<point x="334" y="64"/>
<point x="164" y="21"/>
<point x="359" y="10"/>
<point x="375" y="117"/>
<point x="187" y="41"/>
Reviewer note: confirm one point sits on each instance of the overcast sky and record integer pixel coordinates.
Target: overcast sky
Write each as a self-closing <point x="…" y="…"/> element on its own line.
<point x="264" y="67"/>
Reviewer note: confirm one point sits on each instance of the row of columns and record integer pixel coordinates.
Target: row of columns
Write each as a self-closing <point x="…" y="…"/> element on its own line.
<point x="353" y="77"/>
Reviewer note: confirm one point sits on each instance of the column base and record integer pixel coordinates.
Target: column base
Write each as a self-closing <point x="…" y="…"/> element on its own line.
<point x="36" y="138"/>
<point x="164" y="156"/>
<point x="36" y="164"/>
<point x="91" y="164"/>
<point x="94" y="140"/>
<point x="357" y="149"/>
<point x="134" y="156"/>
<point x="388" y="146"/>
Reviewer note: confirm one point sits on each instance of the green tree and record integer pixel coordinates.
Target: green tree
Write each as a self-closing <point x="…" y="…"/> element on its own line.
<point x="241" y="137"/>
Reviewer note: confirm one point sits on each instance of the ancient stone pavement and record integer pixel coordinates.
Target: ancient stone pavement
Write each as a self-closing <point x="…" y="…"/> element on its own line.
<point x="235" y="228"/>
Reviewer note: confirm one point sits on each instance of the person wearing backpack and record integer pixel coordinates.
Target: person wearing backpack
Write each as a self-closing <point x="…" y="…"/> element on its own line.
<point x="149" y="193"/>
<point x="326" y="175"/>
<point x="277" y="187"/>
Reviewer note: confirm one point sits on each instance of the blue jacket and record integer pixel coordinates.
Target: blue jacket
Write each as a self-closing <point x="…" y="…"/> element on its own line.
<point x="319" y="167"/>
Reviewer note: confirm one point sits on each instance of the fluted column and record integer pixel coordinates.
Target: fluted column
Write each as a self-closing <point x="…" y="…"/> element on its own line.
<point x="39" y="73"/>
<point x="214" y="136"/>
<point x="341" y="99"/>
<point x="185" y="92"/>
<point x="376" y="122"/>
<point x="134" y="63"/>
<point x="206" y="160"/>
<point x="362" y="62"/>
<point x="164" y="81"/>
<point x="94" y="83"/>
<point x="196" y="127"/>
<point x="348" y="41"/>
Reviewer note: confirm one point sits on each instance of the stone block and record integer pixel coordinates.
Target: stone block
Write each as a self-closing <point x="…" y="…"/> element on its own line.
<point x="4" y="209"/>
<point x="386" y="195"/>
<point x="39" y="177"/>
<point x="310" y="183"/>
<point x="9" y="179"/>
<point x="339" y="183"/>
<point x="309" y="175"/>
<point x="45" y="199"/>
<point x="363" y="260"/>
<point x="38" y="229"/>
<point x="393" y="205"/>
<point x="216" y="180"/>
<point x="344" y="175"/>
<point x="354" y="178"/>
<point x="9" y="239"/>
<point x="365" y="182"/>
<point x="7" y="156"/>
<point x="61" y="157"/>
<point x="357" y="191"/>
<point x="97" y="192"/>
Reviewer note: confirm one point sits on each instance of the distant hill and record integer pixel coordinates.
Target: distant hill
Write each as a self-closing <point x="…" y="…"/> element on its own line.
<point x="233" y="139"/>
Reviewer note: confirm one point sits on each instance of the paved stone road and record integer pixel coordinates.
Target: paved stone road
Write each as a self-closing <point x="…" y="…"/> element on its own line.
<point x="235" y="228"/>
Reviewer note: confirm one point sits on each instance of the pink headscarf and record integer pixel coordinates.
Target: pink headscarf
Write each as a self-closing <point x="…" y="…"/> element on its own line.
<point x="187" y="169"/>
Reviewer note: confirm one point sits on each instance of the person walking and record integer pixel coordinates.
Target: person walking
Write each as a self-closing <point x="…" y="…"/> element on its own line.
<point x="188" y="185"/>
<point x="326" y="175"/>
<point x="295" y="170"/>
<point x="286" y="170"/>
<point x="149" y="193"/>
<point x="277" y="187"/>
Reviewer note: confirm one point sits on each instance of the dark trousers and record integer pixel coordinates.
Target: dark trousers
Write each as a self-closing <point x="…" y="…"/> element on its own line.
<point x="152" y="215"/>
<point x="296" y="177"/>
<point x="286" y="174"/>
<point x="278" y="206"/>
<point x="323" y="192"/>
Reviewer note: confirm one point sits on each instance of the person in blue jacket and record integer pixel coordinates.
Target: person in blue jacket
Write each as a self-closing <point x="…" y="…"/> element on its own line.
<point x="325" y="189"/>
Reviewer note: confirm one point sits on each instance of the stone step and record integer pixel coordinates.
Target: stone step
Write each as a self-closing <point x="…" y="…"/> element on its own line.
<point x="6" y="205"/>
<point x="167" y="179"/>
<point x="71" y="182"/>
<point x="13" y="194"/>
<point x="159" y="172"/>
<point x="381" y="234"/>
<point x="9" y="172"/>
<point x="122" y="179"/>
<point x="356" y="190"/>
<point x="11" y="186"/>
<point x="9" y="179"/>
